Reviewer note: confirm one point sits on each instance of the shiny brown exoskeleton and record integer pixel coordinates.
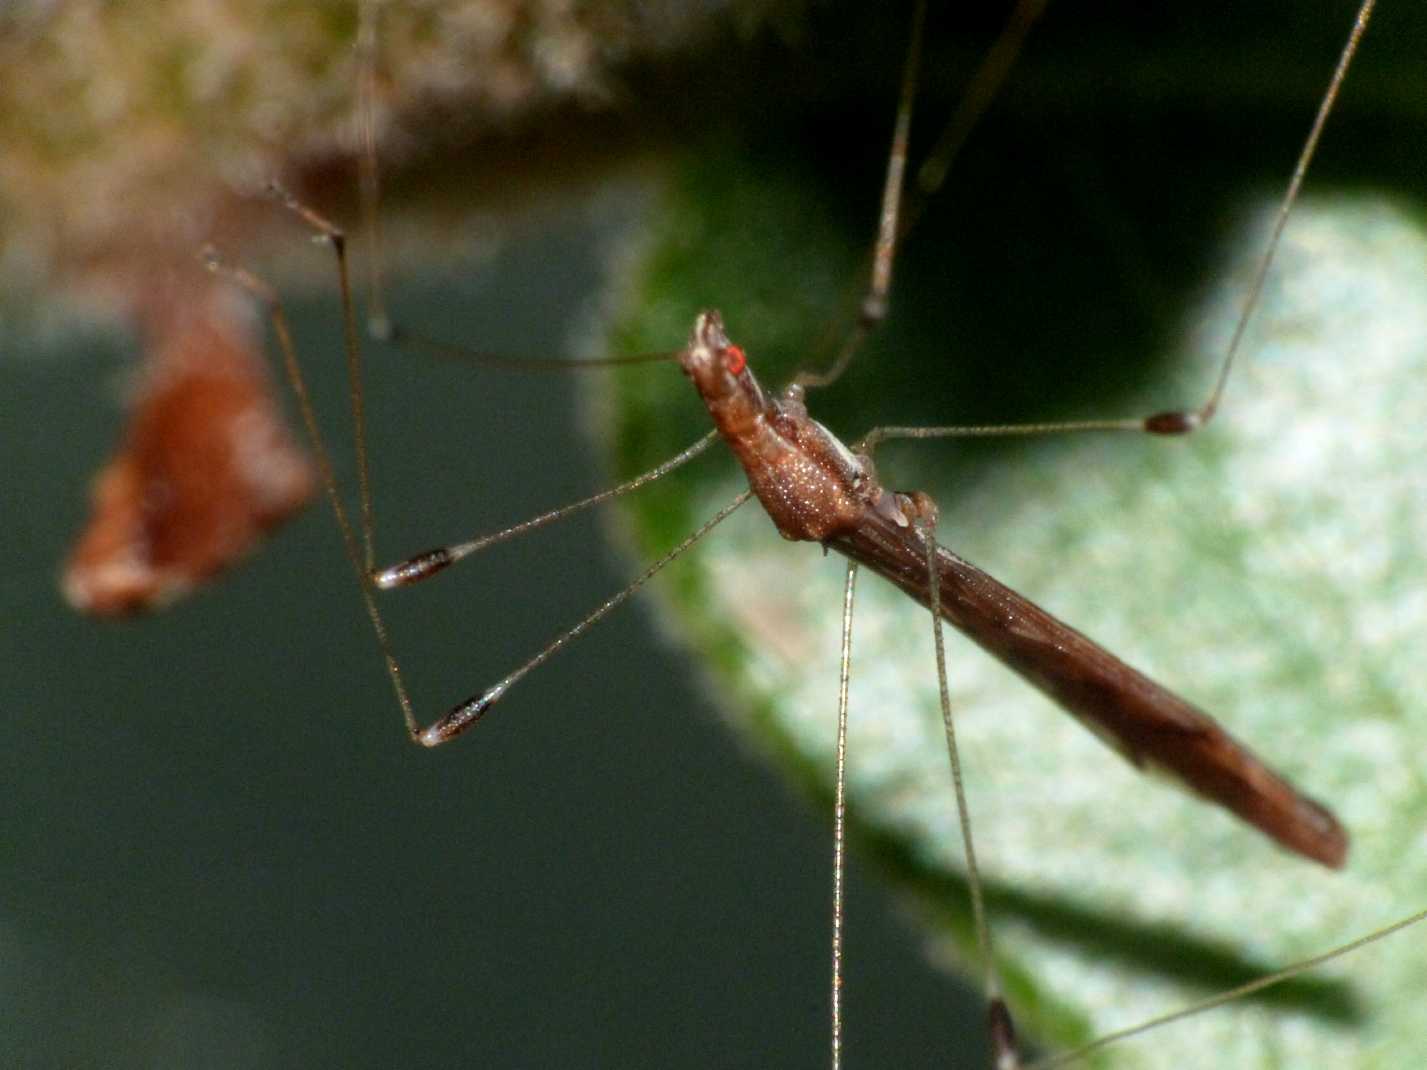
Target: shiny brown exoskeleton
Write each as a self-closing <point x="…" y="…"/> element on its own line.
<point x="815" y="489"/>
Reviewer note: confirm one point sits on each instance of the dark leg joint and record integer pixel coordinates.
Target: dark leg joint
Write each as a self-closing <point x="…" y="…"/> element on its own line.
<point x="1173" y="423"/>
<point x="412" y="570"/>
<point x="383" y="329"/>
<point x="1003" y="1035"/>
<point x="460" y="718"/>
<point x="873" y="311"/>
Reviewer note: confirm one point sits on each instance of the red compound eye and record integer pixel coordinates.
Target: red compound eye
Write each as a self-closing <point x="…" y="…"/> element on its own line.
<point x="734" y="360"/>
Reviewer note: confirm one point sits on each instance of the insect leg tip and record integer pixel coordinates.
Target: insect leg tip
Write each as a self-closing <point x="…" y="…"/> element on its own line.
<point x="1003" y="1035"/>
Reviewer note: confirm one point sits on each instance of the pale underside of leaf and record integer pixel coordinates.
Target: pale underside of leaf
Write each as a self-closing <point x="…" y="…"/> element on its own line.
<point x="1269" y="569"/>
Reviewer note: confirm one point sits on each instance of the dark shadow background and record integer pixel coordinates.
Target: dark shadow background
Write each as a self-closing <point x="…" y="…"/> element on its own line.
<point x="219" y="851"/>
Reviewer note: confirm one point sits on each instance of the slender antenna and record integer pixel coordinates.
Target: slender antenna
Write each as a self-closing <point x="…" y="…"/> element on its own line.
<point x="409" y="338"/>
<point x="839" y="814"/>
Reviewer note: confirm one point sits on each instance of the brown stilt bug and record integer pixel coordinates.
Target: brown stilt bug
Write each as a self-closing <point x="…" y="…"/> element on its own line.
<point x="1099" y="690"/>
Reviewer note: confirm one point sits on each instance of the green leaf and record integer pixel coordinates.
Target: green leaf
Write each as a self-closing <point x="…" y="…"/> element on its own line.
<point x="1269" y="568"/>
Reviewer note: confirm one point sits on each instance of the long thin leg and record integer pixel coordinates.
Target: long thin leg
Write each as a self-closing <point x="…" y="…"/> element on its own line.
<point x="1000" y="1027"/>
<point x="1221" y="998"/>
<point x="839" y="814"/>
<point x="1184" y="421"/>
<point x="419" y="567"/>
<point x="336" y="240"/>
<point x="268" y="297"/>
<point x="466" y="714"/>
<point x="462" y="716"/>
<point x="875" y="301"/>
<point x="361" y="552"/>
<point x="1173" y="422"/>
